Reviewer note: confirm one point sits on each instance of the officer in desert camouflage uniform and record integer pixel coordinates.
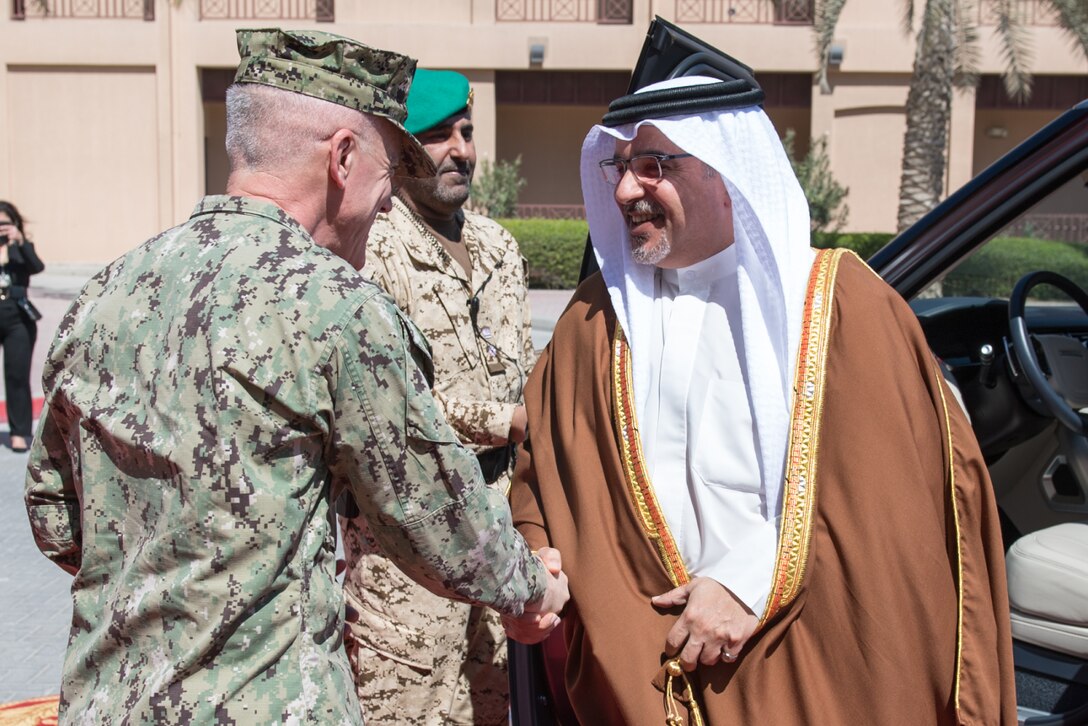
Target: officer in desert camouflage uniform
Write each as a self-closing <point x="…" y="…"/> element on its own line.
<point x="212" y="392"/>
<point x="419" y="658"/>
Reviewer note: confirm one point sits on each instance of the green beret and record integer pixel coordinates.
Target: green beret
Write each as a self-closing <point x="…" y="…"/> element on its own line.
<point x="336" y="69"/>
<point x="435" y="96"/>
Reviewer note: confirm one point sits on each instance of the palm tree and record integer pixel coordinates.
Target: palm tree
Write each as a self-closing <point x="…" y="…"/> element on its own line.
<point x="946" y="57"/>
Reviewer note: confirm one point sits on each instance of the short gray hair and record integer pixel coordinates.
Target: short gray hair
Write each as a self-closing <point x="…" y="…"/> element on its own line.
<point x="267" y="127"/>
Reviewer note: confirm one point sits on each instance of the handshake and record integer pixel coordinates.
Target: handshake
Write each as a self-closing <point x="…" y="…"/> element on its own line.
<point x="541" y="616"/>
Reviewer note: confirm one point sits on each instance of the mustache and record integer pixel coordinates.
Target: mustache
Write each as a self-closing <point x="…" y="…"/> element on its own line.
<point x="642" y="206"/>
<point x="462" y="167"/>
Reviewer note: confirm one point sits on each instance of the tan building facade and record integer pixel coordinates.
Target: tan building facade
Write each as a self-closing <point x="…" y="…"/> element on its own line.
<point x="112" y="117"/>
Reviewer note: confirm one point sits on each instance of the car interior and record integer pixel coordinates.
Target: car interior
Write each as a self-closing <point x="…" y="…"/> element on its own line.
<point x="1020" y="362"/>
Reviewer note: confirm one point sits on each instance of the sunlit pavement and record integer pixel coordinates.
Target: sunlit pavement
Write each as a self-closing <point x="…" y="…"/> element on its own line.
<point x="35" y="605"/>
<point x="35" y="608"/>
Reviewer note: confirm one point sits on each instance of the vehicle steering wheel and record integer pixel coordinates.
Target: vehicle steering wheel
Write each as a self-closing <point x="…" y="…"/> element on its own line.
<point x="1064" y="391"/>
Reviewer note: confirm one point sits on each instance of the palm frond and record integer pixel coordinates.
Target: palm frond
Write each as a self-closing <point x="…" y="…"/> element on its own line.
<point x="1015" y="50"/>
<point x="824" y="24"/>
<point x="968" y="55"/>
<point x="1073" y="18"/>
<point x="908" y="17"/>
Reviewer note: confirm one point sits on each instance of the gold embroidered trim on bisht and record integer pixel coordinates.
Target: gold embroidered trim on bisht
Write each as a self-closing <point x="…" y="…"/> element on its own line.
<point x="650" y="515"/>
<point x="799" y="491"/>
<point x="959" y="547"/>
<point x="799" y="487"/>
<point x="634" y="464"/>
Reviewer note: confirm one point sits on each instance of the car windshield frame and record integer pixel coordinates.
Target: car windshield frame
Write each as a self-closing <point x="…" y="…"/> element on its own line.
<point x="984" y="206"/>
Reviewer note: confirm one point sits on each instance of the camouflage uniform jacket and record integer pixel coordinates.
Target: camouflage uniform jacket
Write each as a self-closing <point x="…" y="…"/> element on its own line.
<point x="478" y="377"/>
<point x="209" y="395"/>
<point x="459" y="658"/>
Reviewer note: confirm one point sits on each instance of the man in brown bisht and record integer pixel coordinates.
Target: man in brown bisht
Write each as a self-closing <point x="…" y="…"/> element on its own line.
<point x="770" y="506"/>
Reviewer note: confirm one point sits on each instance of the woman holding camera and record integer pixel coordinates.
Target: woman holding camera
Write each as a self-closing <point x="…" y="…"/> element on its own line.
<point x="18" y="321"/>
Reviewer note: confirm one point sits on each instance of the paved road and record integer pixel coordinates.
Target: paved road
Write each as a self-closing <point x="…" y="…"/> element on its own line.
<point x="546" y="306"/>
<point x="35" y="606"/>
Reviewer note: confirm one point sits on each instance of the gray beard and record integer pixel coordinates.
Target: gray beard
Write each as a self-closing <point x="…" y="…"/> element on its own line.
<point x="452" y="197"/>
<point x="644" y="255"/>
<point x="639" y="252"/>
<point x="431" y="194"/>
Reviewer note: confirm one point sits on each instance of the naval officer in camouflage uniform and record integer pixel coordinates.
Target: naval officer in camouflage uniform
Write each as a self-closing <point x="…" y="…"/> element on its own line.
<point x="212" y="392"/>
<point x="419" y="658"/>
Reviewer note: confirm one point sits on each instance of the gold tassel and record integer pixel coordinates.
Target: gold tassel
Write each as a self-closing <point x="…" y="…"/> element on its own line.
<point x="673" y="670"/>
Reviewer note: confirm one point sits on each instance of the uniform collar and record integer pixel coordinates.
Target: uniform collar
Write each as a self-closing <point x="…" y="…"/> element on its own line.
<point x="214" y="204"/>
<point x="432" y="253"/>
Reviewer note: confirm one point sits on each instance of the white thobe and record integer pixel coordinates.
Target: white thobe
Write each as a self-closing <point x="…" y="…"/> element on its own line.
<point x="697" y="431"/>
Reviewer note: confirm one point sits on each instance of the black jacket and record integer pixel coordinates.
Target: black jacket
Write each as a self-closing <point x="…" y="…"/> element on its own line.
<point x="22" y="263"/>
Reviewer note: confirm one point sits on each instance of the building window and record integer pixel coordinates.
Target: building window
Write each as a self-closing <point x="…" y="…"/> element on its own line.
<point x="83" y="9"/>
<point x="564" y="11"/>
<point x="780" y="12"/>
<point x="322" y="11"/>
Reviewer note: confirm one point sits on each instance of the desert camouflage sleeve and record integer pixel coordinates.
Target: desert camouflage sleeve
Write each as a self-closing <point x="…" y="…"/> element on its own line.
<point x="483" y="423"/>
<point x="528" y="350"/>
<point x="419" y="489"/>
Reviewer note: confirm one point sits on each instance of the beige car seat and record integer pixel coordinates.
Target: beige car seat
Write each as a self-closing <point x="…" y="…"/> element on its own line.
<point x="1048" y="588"/>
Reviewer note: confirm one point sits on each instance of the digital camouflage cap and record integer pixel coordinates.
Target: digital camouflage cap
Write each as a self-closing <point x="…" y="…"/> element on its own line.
<point x="336" y="69"/>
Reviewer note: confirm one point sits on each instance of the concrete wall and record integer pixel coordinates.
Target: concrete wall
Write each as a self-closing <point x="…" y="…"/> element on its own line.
<point x="84" y="175"/>
<point x="85" y="133"/>
<point x="551" y="167"/>
<point x="863" y="123"/>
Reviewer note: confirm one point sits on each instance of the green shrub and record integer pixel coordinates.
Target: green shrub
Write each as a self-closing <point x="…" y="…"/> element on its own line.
<point x="994" y="270"/>
<point x="553" y="248"/>
<point x="495" y="188"/>
<point x="827" y="207"/>
<point x="864" y="243"/>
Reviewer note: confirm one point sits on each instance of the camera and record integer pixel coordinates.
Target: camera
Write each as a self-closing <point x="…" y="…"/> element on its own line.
<point x="3" y="240"/>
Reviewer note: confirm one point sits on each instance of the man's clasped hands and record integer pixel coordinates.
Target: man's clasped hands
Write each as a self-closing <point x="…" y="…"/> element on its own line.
<point x="713" y="627"/>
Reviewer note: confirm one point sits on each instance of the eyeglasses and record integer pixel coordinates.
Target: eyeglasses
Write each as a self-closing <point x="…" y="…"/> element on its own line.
<point x="645" y="167"/>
